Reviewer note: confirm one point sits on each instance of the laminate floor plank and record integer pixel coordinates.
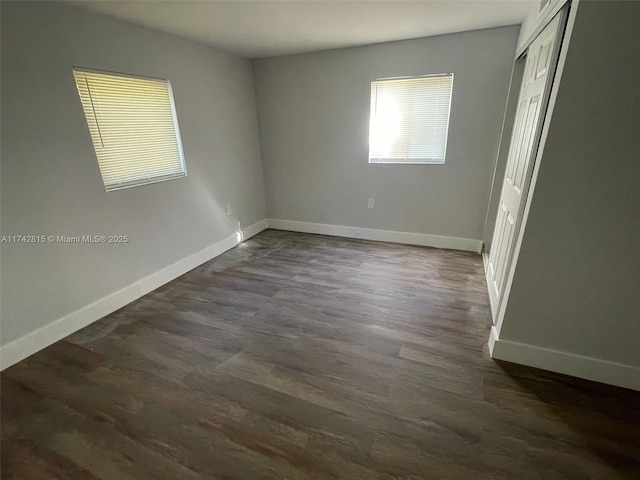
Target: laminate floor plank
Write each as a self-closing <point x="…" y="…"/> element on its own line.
<point x="297" y="356"/>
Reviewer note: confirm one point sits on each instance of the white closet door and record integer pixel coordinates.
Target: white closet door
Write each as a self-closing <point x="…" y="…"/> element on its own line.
<point x="537" y="74"/>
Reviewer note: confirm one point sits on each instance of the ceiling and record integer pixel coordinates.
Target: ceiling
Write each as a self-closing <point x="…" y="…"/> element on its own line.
<point x="267" y="28"/>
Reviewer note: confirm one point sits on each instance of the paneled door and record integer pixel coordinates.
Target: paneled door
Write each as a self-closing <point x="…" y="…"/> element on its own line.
<point x="538" y="72"/>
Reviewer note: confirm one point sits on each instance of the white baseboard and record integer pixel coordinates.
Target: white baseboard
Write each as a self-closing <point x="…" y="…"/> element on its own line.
<point x="589" y="368"/>
<point x="422" y="239"/>
<point x="254" y="229"/>
<point x="35" y="341"/>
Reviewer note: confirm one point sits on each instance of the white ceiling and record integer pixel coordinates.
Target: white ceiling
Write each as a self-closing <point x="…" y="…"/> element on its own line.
<point x="268" y="28"/>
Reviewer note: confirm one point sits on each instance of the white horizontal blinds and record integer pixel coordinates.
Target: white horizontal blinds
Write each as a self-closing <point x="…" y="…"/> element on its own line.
<point x="133" y="128"/>
<point x="410" y="119"/>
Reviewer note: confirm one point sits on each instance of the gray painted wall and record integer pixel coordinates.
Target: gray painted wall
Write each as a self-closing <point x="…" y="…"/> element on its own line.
<point x="577" y="282"/>
<point x="313" y="112"/>
<point x="50" y="178"/>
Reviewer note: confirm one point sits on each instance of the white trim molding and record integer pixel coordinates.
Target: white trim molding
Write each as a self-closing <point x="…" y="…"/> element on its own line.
<point x="589" y="368"/>
<point x="253" y="230"/>
<point x="407" y="238"/>
<point x="35" y="341"/>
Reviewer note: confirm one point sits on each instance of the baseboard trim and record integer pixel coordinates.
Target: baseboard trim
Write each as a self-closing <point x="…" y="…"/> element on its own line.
<point x="589" y="368"/>
<point x="408" y="238"/>
<point x="35" y="341"/>
<point x="253" y="230"/>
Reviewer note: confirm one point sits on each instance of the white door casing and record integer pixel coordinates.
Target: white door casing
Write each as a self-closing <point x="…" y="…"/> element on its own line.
<point x="538" y="73"/>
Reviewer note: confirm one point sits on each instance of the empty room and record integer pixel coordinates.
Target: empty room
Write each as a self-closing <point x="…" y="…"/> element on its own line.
<point x="354" y="239"/>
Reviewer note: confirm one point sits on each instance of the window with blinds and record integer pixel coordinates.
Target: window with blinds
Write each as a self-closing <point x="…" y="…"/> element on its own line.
<point x="133" y="126"/>
<point x="410" y="119"/>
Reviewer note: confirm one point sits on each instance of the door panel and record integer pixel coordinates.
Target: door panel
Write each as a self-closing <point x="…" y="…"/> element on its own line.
<point x="522" y="161"/>
<point x="517" y="139"/>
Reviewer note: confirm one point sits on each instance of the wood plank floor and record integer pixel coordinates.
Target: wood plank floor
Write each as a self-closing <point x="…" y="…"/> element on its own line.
<point x="299" y="356"/>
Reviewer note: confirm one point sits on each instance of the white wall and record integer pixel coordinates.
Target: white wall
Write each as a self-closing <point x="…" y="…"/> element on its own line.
<point x="313" y="112"/>
<point x="529" y="25"/>
<point x="577" y="281"/>
<point x="535" y="19"/>
<point x="50" y="178"/>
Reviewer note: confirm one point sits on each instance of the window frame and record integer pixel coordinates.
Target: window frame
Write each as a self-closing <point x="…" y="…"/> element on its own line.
<point x="151" y="179"/>
<point x="391" y="161"/>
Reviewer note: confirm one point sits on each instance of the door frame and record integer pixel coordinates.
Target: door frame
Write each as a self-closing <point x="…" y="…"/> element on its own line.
<point x="567" y="9"/>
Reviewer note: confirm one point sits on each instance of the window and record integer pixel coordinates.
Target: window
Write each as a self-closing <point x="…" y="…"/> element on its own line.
<point x="133" y="126"/>
<point x="410" y="119"/>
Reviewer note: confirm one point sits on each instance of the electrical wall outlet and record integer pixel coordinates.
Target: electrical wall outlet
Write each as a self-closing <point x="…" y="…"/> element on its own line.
<point x="228" y="210"/>
<point x="370" y="203"/>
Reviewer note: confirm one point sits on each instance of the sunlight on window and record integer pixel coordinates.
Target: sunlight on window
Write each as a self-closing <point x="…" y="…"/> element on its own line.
<point x="409" y="120"/>
<point x="133" y="126"/>
<point x="385" y="126"/>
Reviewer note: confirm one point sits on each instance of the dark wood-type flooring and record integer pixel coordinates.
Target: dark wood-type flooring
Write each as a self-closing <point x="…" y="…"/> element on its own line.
<point x="300" y="356"/>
